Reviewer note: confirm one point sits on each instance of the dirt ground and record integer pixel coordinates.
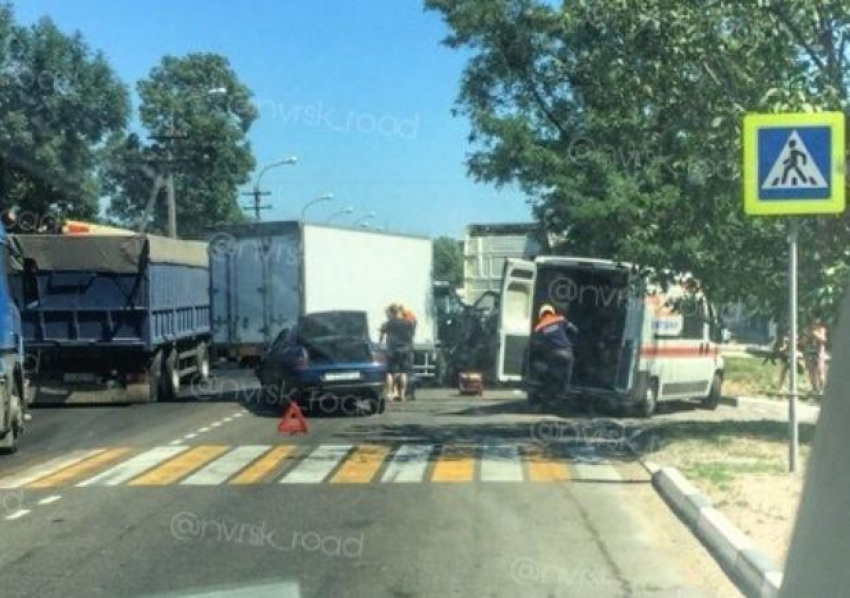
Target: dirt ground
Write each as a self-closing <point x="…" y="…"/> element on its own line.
<point x="746" y="479"/>
<point x="764" y="506"/>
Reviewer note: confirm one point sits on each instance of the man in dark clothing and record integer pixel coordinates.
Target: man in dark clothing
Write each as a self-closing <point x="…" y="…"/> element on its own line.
<point x="553" y="341"/>
<point x="398" y="332"/>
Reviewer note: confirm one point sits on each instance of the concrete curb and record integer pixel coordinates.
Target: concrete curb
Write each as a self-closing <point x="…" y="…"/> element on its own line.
<point x="730" y="401"/>
<point x="753" y="572"/>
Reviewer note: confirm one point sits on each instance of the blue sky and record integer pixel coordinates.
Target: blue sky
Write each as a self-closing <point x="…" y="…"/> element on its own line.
<point x="359" y="90"/>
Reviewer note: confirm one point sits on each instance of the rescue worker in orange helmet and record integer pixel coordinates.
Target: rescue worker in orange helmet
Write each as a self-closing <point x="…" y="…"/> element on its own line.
<point x="553" y="342"/>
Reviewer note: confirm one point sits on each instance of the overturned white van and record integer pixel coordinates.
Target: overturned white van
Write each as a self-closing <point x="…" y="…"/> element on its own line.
<point x="637" y="344"/>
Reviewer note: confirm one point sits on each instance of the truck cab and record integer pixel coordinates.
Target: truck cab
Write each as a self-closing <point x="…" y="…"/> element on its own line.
<point x="12" y="385"/>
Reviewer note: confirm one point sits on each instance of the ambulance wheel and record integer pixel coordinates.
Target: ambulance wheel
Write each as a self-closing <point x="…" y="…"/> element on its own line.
<point x="649" y="403"/>
<point x="712" y="400"/>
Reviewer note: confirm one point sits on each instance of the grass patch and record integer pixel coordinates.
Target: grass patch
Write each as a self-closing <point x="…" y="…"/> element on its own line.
<point x="719" y="453"/>
<point x="755" y="376"/>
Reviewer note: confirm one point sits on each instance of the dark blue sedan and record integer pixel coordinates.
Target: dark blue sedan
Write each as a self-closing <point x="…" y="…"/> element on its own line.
<point x="328" y="363"/>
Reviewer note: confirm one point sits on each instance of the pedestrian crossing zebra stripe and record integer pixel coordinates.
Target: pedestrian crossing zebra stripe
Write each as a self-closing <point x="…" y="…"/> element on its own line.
<point x="210" y="465"/>
<point x="45" y="469"/>
<point x="126" y="471"/>
<point x="221" y="469"/>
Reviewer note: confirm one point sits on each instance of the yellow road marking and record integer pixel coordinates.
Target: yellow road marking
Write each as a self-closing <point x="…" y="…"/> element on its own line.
<point x="179" y="466"/>
<point x="264" y="466"/>
<point x="456" y="464"/>
<point x="362" y="465"/>
<point x="541" y="468"/>
<point x="81" y="469"/>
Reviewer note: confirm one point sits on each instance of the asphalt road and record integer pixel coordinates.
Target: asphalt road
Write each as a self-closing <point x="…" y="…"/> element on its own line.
<point x="442" y="496"/>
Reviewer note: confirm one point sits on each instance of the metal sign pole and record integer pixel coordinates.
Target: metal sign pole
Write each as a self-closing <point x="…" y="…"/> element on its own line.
<point x="793" y="448"/>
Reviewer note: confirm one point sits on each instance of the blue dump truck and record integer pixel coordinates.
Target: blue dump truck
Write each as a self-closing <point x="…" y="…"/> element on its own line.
<point x="12" y="381"/>
<point x="112" y="318"/>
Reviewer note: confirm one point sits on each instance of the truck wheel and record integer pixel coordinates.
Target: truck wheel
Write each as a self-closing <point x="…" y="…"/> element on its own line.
<point x="202" y="362"/>
<point x="171" y="374"/>
<point x="712" y="399"/>
<point x="9" y="443"/>
<point x="649" y="403"/>
<point x="155" y="377"/>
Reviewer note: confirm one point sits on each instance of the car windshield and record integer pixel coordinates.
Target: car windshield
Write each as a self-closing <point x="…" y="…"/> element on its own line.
<point x="424" y="298"/>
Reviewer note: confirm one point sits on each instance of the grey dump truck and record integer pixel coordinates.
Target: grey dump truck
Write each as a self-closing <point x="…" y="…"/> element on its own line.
<point x="112" y="318"/>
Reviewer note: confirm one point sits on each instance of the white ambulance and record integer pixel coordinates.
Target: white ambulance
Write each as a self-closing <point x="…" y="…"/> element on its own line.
<point x="637" y="345"/>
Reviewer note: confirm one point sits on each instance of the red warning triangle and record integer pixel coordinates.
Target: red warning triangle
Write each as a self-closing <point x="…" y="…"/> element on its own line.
<point x="293" y="421"/>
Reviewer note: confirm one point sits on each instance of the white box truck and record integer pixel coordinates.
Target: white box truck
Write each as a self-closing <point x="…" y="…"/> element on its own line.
<point x="265" y="275"/>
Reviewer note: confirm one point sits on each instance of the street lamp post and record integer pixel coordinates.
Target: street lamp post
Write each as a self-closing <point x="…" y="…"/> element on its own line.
<point x="257" y="194"/>
<point x="343" y="212"/>
<point x="362" y="221"/>
<point x="325" y="197"/>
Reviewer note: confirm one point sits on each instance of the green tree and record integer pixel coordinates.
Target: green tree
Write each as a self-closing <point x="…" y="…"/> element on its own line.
<point x="448" y="261"/>
<point x="622" y="120"/>
<point x="60" y="103"/>
<point x="210" y="110"/>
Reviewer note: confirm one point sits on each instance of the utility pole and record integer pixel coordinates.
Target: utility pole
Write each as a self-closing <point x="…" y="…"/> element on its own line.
<point x="257" y="194"/>
<point x="169" y="138"/>
<point x="258" y="202"/>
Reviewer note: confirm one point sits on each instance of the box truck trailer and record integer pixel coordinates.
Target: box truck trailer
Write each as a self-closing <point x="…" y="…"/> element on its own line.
<point x="265" y="275"/>
<point x="112" y="318"/>
<point x="485" y="250"/>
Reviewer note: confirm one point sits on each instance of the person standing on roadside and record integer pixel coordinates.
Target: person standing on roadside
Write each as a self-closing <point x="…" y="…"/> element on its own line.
<point x="821" y="356"/>
<point x="398" y="333"/>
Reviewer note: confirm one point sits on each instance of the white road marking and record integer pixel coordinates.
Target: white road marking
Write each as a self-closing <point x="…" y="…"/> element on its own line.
<point x="132" y="467"/>
<point x="31" y="474"/>
<point x="408" y="464"/>
<point x="590" y="466"/>
<point x="204" y="429"/>
<point x="240" y="414"/>
<point x="228" y="419"/>
<point x="49" y="499"/>
<point x="215" y="424"/>
<point x="501" y="464"/>
<point x="222" y="468"/>
<point x="317" y="465"/>
<point x="190" y="436"/>
<point x="173" y="442"/>
<point x="17" y="514"/>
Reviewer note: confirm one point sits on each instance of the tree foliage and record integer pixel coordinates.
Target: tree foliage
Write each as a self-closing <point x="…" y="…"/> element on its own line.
<point x="60" y="102"/>
<point x="622" y="119"/>
<point x="448" y="261"/>
<point x="211" y="113"/>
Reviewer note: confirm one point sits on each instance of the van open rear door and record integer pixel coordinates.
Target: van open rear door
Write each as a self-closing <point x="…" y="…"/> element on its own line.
<point x="632" y="333"/>
<point x="515" y="317"/>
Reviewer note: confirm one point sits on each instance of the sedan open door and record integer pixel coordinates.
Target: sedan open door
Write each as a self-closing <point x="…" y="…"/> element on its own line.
<point x="515" y="317"/>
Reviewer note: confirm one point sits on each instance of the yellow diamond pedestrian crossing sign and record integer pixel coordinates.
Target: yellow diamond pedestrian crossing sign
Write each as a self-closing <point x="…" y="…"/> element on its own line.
<point x="794" y="163"/>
